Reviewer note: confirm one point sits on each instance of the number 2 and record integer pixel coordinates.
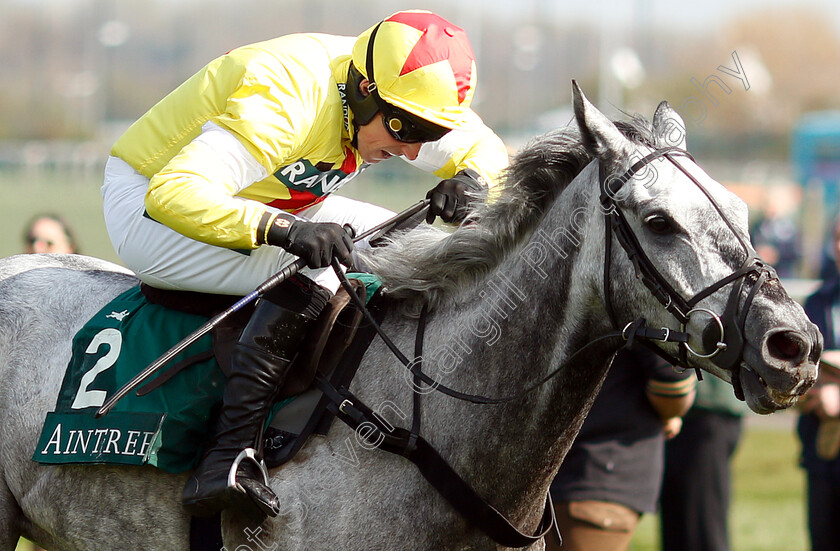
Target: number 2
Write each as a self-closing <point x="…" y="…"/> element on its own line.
<point x="86" y="398"/>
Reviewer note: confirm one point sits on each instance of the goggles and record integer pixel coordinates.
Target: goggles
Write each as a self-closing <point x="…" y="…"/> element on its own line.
<point x="408" y="128"/>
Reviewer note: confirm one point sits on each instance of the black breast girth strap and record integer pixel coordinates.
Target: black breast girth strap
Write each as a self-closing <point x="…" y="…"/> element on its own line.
<point x="434" y="468"/>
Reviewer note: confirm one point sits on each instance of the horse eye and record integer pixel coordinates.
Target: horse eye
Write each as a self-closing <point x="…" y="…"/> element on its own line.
<point x="659" y="224"/>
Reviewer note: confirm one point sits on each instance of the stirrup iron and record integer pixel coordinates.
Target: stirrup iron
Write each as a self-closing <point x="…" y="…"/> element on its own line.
<point x="247" y="453"/>
<point x="260" y="495"/>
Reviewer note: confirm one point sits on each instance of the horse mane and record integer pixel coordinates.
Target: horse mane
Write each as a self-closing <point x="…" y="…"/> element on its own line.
<point x="427" y="265"/>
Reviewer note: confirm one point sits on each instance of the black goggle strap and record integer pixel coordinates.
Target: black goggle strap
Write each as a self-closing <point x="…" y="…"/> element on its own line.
<point x="384" y="108"/>
<point x="369" y="62"/>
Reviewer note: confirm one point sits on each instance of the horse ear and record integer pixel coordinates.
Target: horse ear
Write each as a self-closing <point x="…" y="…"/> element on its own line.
<point x="669" y="126"/>
<point x="600" y="136"/>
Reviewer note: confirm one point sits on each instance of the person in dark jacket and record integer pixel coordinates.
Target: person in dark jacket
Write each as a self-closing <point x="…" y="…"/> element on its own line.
<point x="819" y="422"/>
<point x="613" y="472"/>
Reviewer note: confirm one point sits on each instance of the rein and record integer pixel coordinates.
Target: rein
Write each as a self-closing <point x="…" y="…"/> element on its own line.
<point x="631" y="330"/>
<point x="650" y="276"/>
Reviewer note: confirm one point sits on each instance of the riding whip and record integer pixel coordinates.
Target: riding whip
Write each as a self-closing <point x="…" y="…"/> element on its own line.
<point x="273" y="281"/>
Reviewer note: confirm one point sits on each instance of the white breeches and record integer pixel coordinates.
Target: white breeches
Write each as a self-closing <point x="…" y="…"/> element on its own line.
<point x="166" y="259"/>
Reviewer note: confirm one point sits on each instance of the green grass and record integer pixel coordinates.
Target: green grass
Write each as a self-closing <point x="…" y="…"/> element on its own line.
<point x="768" y="503"/>
<point x="74" y="197"/>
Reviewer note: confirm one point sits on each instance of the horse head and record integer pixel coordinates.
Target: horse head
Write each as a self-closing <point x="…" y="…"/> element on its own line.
<point x="682" y="260"/>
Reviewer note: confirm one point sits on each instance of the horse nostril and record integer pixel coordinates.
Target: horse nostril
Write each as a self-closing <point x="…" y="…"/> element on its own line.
<point x="788" y="346"/>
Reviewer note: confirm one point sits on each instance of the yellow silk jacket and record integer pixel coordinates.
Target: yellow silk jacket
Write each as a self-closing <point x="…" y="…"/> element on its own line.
<point x="282" y="100"/>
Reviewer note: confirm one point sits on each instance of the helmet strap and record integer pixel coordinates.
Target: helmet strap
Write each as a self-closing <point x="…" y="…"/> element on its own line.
<point x="364" y="107"/>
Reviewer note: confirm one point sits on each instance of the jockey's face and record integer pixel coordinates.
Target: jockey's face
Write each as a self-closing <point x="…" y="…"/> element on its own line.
<point x="377" y="144"/>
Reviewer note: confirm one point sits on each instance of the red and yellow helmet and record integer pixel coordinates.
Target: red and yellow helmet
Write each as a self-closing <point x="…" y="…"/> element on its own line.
<point x="419" y="63"/>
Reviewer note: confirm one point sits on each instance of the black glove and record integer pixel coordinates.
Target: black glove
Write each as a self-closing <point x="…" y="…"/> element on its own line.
<point x="315" y="242"/>
<point x="450" y="199"/>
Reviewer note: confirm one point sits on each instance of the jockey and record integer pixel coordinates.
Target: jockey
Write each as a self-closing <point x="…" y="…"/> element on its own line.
<point x="230" y="177"/>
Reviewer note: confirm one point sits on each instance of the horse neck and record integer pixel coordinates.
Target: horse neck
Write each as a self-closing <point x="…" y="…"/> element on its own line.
<point x="522" y="322"/>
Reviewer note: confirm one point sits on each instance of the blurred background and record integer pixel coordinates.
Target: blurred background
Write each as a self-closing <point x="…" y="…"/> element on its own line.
<point x="757" y="82"/>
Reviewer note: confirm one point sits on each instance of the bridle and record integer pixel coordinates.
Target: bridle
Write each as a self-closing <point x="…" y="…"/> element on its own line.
<point x="730" y="325"/>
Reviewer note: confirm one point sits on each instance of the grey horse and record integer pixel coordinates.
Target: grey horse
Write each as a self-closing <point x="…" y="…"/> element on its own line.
<point x="511" y="297"/>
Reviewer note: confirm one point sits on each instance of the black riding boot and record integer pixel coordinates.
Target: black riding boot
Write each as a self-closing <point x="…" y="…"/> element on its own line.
<point x="260" y="361"/>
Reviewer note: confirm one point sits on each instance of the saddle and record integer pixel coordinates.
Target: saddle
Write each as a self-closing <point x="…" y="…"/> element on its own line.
<point x="326" y="343"/>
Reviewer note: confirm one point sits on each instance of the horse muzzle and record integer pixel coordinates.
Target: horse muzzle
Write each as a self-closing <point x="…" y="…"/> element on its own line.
<point x="781" y="370"/>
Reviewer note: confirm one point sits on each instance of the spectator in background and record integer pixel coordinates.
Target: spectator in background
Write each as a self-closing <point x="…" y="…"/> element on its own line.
<point x="48" y="233"/>
<point x="613" y="471"/>
<point x="695" y="493"/>
<point x="819" y="423"/>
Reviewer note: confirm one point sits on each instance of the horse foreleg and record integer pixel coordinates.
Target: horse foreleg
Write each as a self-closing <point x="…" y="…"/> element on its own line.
<point x="10" y="515"/>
